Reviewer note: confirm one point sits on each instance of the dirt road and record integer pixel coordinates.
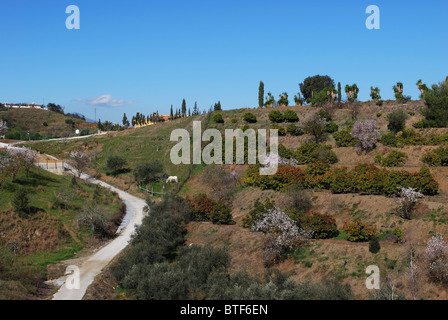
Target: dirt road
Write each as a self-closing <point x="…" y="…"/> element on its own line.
<point x="93" y="265"/>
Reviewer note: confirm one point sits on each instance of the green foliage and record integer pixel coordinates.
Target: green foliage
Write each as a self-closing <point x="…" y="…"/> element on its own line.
<point x="217" y="118"/>
<point x="436" y="100"/>
<point x="352" y="92"/>
<point x="260" y="94"/>
<point x="147" y="172"/>
<point x="320" y="98"/>
<point x="276" y="116"/>
<point x="115" y="164"/>
<point x="316" y="83"/>
<point x="331" y="127"/>
<point x="249" y="117"/>
<point x="323" y="225"/>
<point x="259" y="210"/>
<point x="315" y="152"/>
<point x="21" y="203"/>
<point x="283" y="100"/>
<point x="294" y="129"/>
<point x="393" y="159"/>
<point x="397" y="121"/>
<point x="378" y="114"/>
<point x="374" y="245"/>
<point x="290" y="116"/>
<point x="359" y="231"/>
<point x="281" y="129"/>
<point x="221" y="214"/>
<point x="411" y="113"/>
<point x="389" y="139"/>
<point x="437" y="157"/>
<point x="201" y="207"/>
<point x="344" y="138"/>
<point x="315" y="126"/>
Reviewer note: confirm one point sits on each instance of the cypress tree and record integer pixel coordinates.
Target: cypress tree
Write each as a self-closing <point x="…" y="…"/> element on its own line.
<point x="261" y="94"/>
<point x="339" y="92"/>
<point x="171" y="113"/>
<point x="184" y="108"/>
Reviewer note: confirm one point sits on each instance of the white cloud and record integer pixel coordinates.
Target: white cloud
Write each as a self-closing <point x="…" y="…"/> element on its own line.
<point x="106" y="101"/>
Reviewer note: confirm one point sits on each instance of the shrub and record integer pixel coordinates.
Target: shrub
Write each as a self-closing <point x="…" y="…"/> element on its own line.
<point x="276" y="116"/>
<point x="290" y="116"/>
<point x="325" y="113"/>
<point x="201" y="207"/>
<point x="315" y="126"/>
<point x="249" y="117"/>
<point x="323" y="226"/>
<point x="374" y="245"/>
<point x="317" y="168"/>
<point x="389" y="139"/>
<point x="437" y="157"/>
<point x="366" y="133"/>
<point x="393" y="159"/>
<point x="320" y="98"/>
<point x="281" y="129"/>
<point x="344" y="138"/>
<point x="331" y="127"/>
<point x="294" y="130"/>
<point x="359" y="231"/>
<point x="378" y="114"/>
<point x="234" y="120"/>
<point x="312" y="152"/>
<point x="397" y="121"/>
<point x="411" y="113"/>
<point x="115" y="164"/>
<point x="221" y="214"/>
<point x="217" y="118"/>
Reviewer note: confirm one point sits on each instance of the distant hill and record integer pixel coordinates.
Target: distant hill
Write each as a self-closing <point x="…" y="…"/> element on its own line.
<point x="42" y="124"/>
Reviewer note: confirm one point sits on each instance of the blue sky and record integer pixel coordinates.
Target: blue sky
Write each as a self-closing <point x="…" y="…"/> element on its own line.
<point x="142" y="56"/>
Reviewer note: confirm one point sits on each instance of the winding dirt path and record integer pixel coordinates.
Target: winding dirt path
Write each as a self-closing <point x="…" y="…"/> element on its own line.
<point x="93" y="265"/>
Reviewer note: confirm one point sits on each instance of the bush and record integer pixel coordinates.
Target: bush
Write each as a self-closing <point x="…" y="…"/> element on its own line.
<point x="320" y="98"/>
<point x="115" y="164"/>
<point x="389" y="139"/>
<point x="411" y="113"/>
<point x="290" y="116"/>
<point x="397" y="121"/>
<point x="312" y="152"/>
<point x="294" y="130"/>
<point x="217" y="118"/>
<point x="359" y="231"/>
<point x="344" y="138"/>
<point x="249" y="117"/>
<point x="374" y="245"/>
<point x="393" y="159"/>
<point x="234" y="120"/>
<point x="281" y="129"/>
<point x="378" y="114"/>
<point x="436" y="158"/>
<point x="331" y="127"/>
<point x="323" y="226"/>
<point x="201" y="207"/>
<point x="221" y="214"/>
<point x="316" y="127"/>
<point x="276" y="116"/>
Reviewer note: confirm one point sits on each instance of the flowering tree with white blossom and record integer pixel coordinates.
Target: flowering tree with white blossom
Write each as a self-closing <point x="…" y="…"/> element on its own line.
<point x="3" y="128"/>
<point x="436" y="255"/>
<point x="283" y="234"/>
<point x="80" y="160"/>
<point x="409" y="197"/>
<point x="367" y="134"/>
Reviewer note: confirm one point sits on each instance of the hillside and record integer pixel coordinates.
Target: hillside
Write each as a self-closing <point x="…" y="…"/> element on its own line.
<point x="321" y="258"/>
<point x="42" y="124"/>
<point x="48" y="230"/>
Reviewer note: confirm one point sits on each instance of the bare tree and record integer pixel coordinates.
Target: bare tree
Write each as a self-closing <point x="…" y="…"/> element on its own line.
<point x="221" y="182"/>
<point x="23" y="158"/>
<point x="80" y="161"/>
<point x="413" y="273"/>
<point x="3" y="128"/>
<point x="93" y="216"/>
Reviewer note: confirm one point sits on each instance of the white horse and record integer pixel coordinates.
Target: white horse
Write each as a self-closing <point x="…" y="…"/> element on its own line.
<point x="172" y="179"/>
